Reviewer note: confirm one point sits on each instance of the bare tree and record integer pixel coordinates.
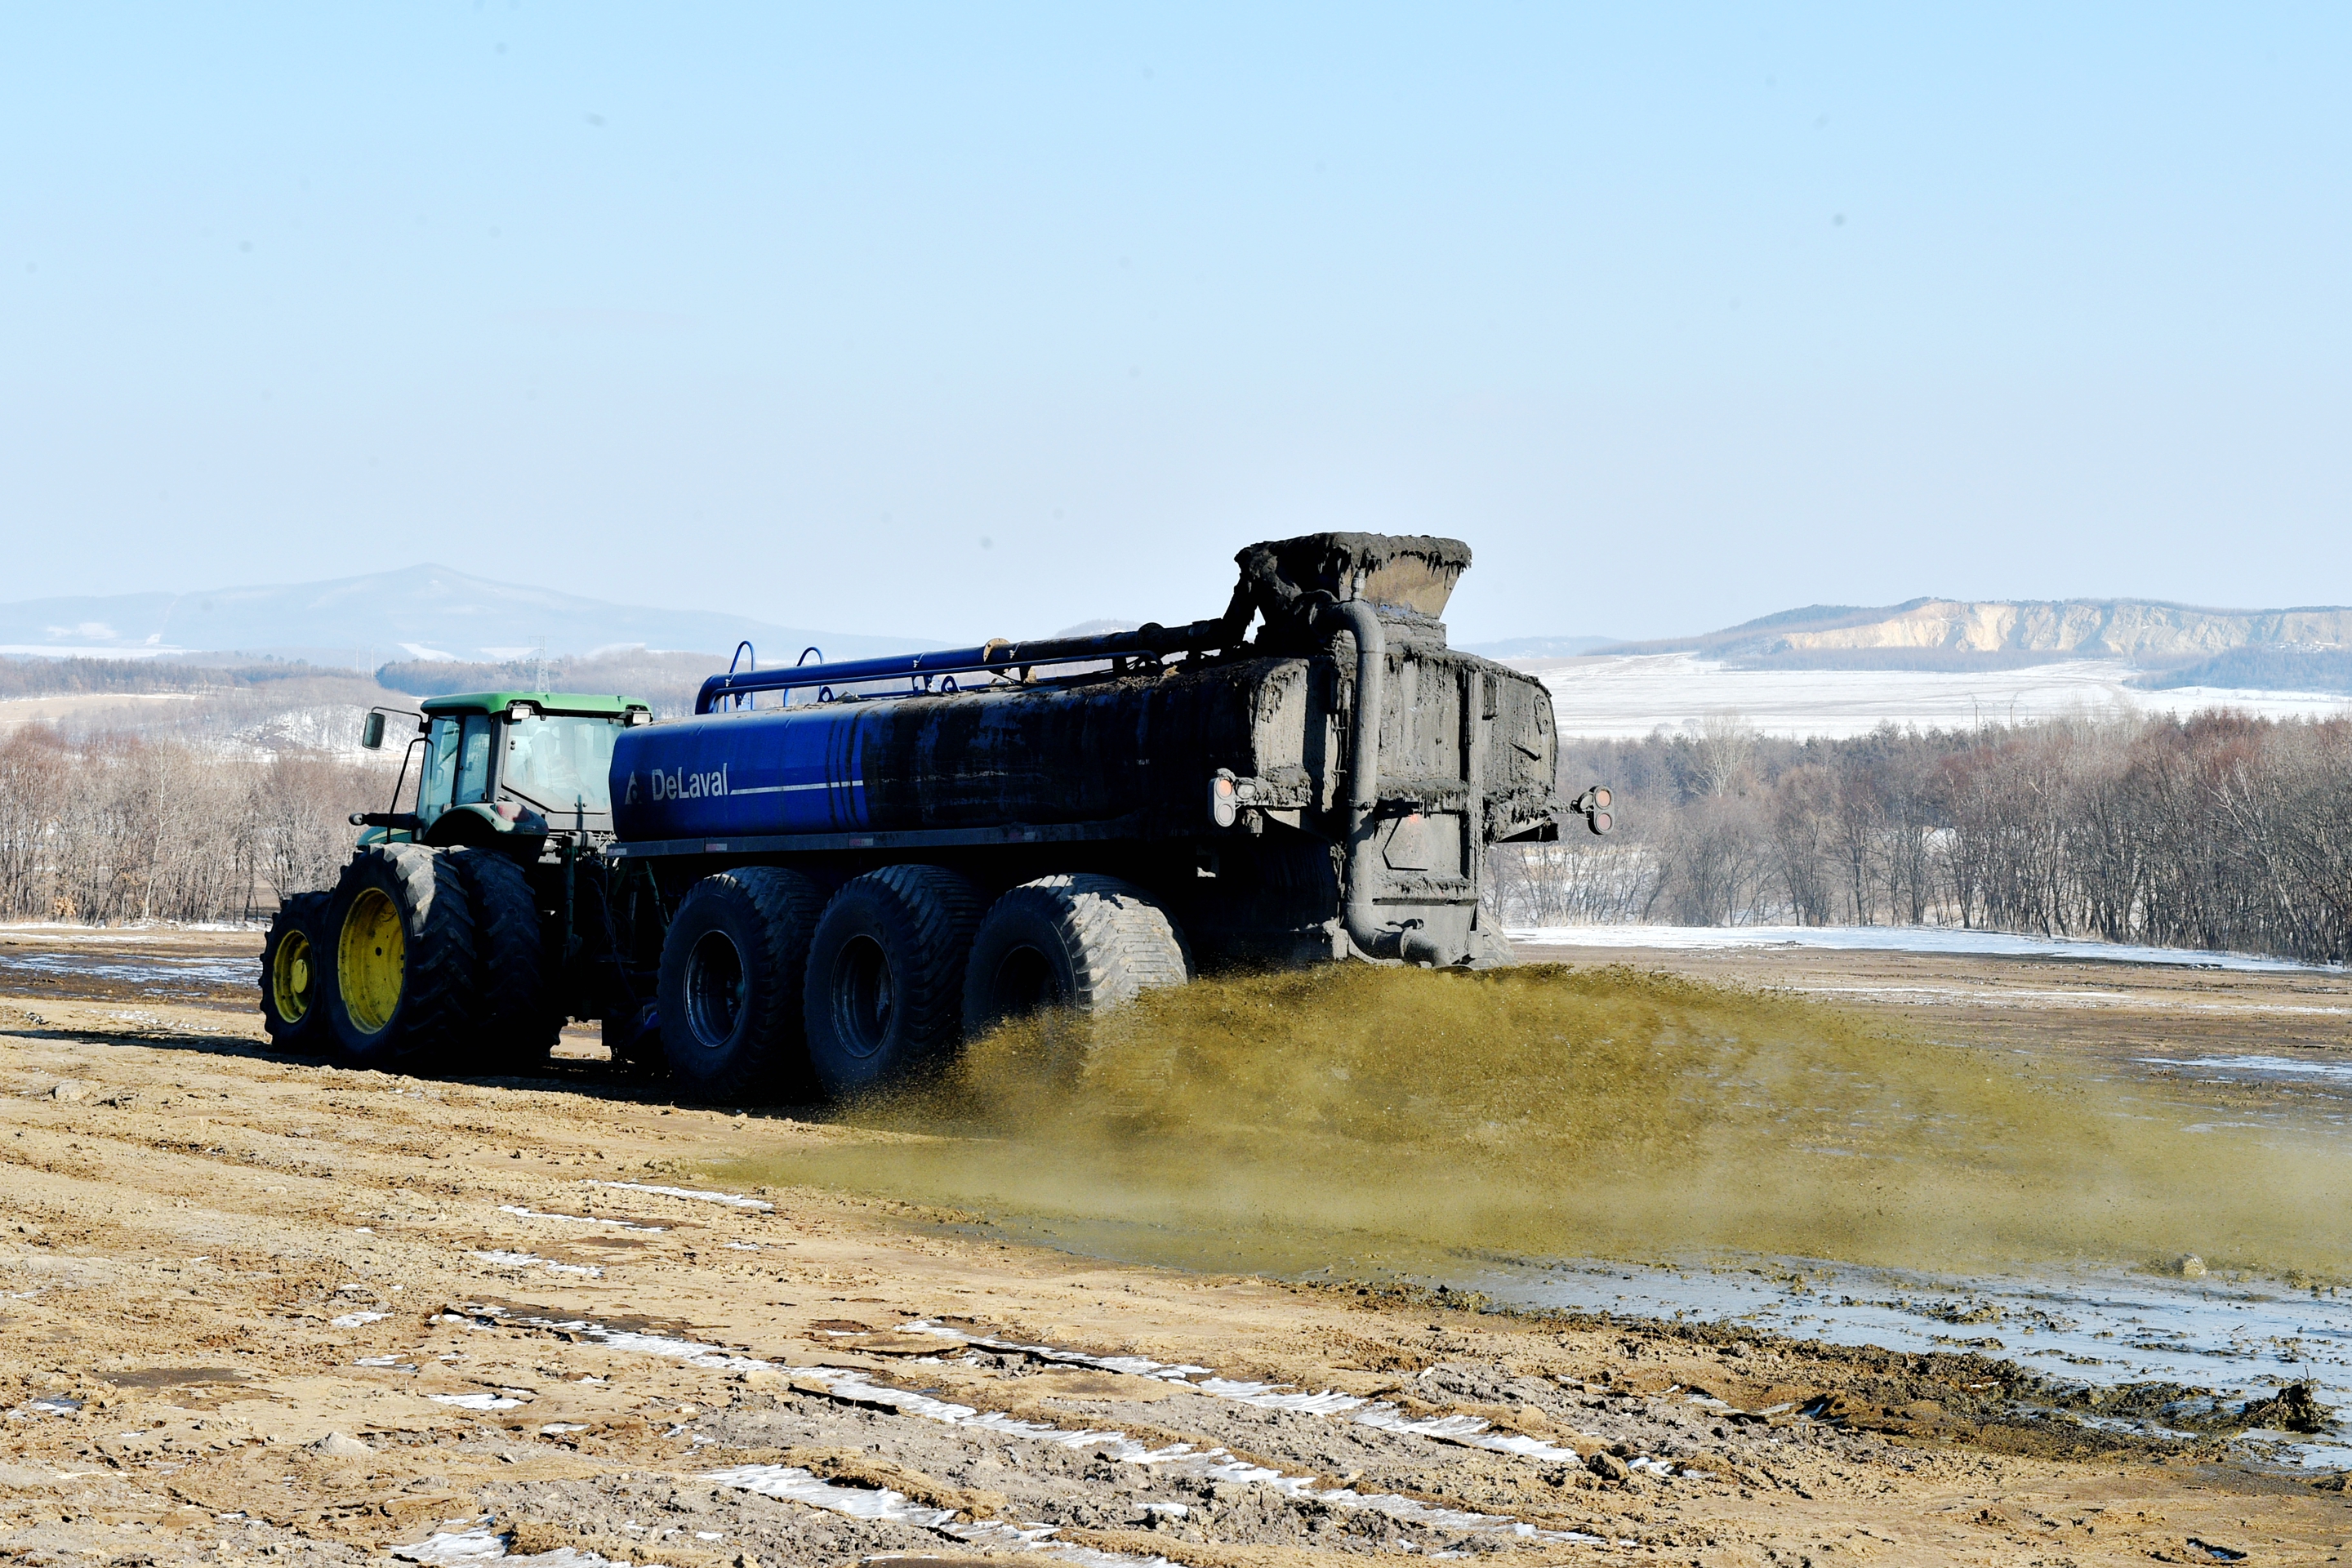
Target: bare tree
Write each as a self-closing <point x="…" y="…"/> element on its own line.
<point x="2215" y="831"/>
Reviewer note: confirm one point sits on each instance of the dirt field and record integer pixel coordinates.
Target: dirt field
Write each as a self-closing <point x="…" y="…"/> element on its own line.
<point x="254" y="1306"/>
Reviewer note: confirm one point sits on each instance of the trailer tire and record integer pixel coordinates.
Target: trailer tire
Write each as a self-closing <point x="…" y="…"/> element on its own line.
<point x="885" y="977"/>
<point x="516" y="1022"/>
<point x="400" y="954"/>
<point x="293" y="975"/>
<point x="1084" y="941"/>
<point x="732" y="971"/>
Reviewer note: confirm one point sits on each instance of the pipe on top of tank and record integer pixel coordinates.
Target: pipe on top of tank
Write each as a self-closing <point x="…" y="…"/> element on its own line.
<point x="993" y="658"/>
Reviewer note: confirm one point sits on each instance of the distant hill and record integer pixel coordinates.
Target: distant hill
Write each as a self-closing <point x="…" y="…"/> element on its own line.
<point x="1538" y="647"/>
<point x="1987" y="633"/>
<point x="415" y="613"/>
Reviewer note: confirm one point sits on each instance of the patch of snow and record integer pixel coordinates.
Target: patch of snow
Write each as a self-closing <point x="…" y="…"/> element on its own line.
<point x="1214" y="1464"/>
<point x="527" y="1260"/>
<point x="1471" y="1431"/>
<point x="1626" y="696"/>
<point x="733" y="1200"/>
<point x="795" y="1485"/>
<point x="1904" y="939"/>
<point x="519" y="1211"/>
<point x="479" y="1544"/>
<point x="476" y="1401"/>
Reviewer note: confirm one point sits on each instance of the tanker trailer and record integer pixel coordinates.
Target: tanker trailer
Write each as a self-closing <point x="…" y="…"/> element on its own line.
<point x="856" y="865"/>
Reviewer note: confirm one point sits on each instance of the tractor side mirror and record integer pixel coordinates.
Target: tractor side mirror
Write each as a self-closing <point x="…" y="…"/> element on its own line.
<point x="372" y="731"/>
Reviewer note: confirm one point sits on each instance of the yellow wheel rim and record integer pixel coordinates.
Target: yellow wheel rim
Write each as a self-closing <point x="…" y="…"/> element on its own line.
<point x="370" y="956"/>
<point x="291" y="973"/>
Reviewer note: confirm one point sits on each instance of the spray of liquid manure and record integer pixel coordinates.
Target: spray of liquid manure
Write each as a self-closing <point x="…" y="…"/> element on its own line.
<point x="1392" y="1119"/>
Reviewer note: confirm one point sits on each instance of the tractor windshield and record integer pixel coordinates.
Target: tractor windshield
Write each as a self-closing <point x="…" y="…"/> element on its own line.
<point x="474" y="759"/>
<point x="440" y="775"/>
<point x="561" y="763"/>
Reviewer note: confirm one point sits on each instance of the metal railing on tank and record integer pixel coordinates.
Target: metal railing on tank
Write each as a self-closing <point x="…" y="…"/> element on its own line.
<point x="933" y="673"/>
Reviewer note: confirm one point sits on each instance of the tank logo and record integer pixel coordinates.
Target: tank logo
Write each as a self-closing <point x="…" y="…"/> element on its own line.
<point x="678" y="785"/>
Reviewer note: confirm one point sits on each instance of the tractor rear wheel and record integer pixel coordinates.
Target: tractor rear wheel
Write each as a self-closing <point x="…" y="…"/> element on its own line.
<point x="885" y="976"/>
<point x="1084" y="942"/>
<point x="293" y="1005"/>
<point x="399" y="941"/>
<point x="732" y="969"/>
<point x="517" y="1022"/>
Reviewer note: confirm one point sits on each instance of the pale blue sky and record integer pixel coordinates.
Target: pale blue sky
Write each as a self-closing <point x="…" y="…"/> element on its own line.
<point x="1677" y="318"/>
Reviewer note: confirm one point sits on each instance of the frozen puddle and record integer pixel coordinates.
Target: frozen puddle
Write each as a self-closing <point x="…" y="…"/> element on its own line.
<point x="2013" y="997"/>
<point x="2101" y="1327"/>
<point x="1904" y="939"/>
<point x="2256" y="1068"/>
<point x="854" y="1386"/>
<point x="159" y="971"/>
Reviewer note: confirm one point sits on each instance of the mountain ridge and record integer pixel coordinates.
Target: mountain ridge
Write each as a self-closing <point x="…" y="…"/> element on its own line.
<point x="425" y="611"/>
<point x="2137" y="629"/>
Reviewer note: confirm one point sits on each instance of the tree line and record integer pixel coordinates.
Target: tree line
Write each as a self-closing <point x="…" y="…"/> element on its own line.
<point x="2213" y="831"/>
<point x="122" y="828"/>
<point x="85" y="677"/>
<point x="2217" y="830"/>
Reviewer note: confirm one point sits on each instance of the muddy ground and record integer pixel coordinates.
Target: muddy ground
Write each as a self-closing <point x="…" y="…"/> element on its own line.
<point x="257" y="1307"/>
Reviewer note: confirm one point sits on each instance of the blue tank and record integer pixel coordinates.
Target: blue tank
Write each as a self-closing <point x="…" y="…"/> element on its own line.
<point x="793" y="770"/>
<point x="1335" y="779"/>
<point x="1140" y="750"/>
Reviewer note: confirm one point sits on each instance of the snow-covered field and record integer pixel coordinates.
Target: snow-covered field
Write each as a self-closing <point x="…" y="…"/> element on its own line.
<point x="1632" y="694"/>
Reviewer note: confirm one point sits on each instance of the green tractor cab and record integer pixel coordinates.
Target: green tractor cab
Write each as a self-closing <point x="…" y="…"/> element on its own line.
<point x="498" y="764"/>
<point x="450" y="931"/>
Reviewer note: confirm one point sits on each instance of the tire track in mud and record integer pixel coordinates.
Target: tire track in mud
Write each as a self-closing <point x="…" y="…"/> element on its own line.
<point x="1195" y="1456"/>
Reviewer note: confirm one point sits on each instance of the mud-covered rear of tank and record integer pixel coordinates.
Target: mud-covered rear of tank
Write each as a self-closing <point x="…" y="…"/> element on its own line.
<point x="1224" y="777"/>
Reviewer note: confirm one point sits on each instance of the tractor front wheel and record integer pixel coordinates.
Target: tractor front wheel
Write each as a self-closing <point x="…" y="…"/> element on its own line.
<point x="293" y="1003"/>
